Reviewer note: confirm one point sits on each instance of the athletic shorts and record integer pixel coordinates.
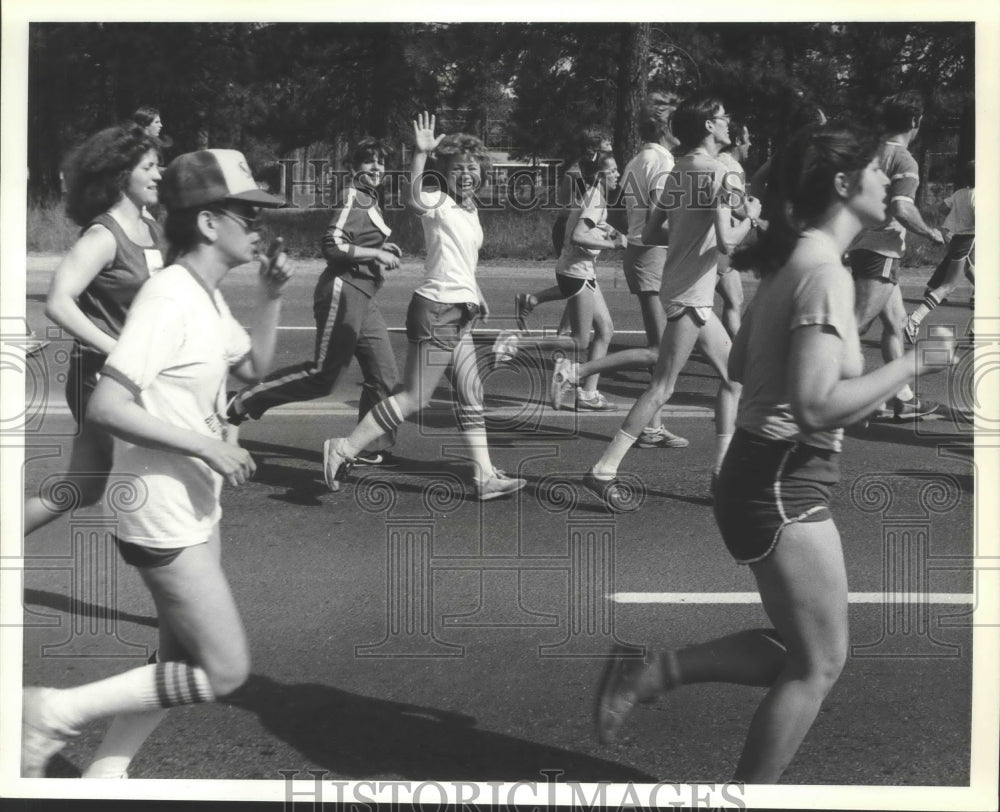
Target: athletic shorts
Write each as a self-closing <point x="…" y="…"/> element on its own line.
<point x="867" y="264"/>
<point x="441" y="323"/>
<point x="81" y="380"/>
<point x="138" y="555"/>
<point x="766" y="485"/>
<point x="699" y="314"/>
<point x="643" y="266"/>
<point x="570" y="286"/>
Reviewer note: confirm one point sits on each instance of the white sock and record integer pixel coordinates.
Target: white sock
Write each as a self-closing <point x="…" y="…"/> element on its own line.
<point x="163" y="685"/>
<point x="905" y="393"/>
<point x="607" y="466"/>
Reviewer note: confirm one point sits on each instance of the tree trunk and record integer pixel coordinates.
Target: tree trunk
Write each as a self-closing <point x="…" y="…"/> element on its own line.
<point x="633" y="66"/>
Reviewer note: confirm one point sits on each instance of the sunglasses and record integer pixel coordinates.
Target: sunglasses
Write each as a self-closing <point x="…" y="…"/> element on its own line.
<point x="248" y="223"/>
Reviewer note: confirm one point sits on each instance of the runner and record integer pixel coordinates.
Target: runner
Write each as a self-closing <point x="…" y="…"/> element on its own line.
<point x="348" y="320"/>
<point x="110" y="179"/>
<point x="569" y="196"/>
<point x="877" y="253"/>
<point x="959" y="228"/>
<point x="642" y="182"/>
<point x="162" y="396"/>
<point x="695" y="207"/>
<point x="799" y="357"/>
<point x="730" y="285"/>
<point x="441" y="313"/>
<point x="587" y="232"/>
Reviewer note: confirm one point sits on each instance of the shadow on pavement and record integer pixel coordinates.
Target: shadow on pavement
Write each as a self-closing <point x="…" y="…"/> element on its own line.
<point x="356" y="736"/>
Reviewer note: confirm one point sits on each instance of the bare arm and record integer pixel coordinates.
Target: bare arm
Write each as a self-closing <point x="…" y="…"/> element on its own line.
<point x="89" y="254"/>
<point x="822" y="400"/>
<point x="113" y="407"/>
<point x="908" y="214"/>
<point x="425" y="143"/>
<point x="730" y="232"/>
<point x="586" y="234"/>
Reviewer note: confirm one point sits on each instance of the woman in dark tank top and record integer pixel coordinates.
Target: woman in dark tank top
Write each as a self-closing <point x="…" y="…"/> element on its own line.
<point x="110" y="179"/>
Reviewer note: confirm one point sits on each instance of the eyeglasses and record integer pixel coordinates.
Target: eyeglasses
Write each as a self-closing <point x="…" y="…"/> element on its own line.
<point x="248" y="223"/>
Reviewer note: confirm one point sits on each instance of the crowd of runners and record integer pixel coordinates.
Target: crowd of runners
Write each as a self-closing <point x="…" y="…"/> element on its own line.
<point x="156" y="347"/>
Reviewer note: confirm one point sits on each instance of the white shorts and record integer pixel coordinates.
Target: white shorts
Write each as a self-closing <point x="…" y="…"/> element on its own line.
<point x="701" y="315"/>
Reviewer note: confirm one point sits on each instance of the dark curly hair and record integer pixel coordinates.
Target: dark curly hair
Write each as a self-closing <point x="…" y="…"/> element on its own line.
<point x="800" y="189"/>
<point x="97" y="172"/>
<point x="365" y="150"/>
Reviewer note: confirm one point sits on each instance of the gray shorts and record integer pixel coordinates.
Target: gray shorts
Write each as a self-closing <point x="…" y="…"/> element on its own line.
<point x="643" y="266"/>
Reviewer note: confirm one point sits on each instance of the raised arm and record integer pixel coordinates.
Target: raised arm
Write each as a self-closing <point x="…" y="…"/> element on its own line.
<point x="425" y="143"/>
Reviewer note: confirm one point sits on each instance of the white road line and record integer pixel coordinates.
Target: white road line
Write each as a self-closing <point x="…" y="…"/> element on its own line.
<point x="483" y="331"/>
<point x="752" y="597"/>
<point x="525" y="411"/>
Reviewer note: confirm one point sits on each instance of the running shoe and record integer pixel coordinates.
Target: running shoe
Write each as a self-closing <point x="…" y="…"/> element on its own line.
<point x="912" y="409"/>
<point x="522" y="308"/>
<point x="336" y="466"/>
<point x="609" y="491"/>
<point x="498" y="485"/>
<point x="659" y="438"/>
<point x="562" y="381"/>
<point x="620" y="690"/>
<point x="595" y="402"/>
<point x="910" y="330"/>
<point x="505" y="348"/>
<point x="384" y="459"/>
<point x="41" y="737"/>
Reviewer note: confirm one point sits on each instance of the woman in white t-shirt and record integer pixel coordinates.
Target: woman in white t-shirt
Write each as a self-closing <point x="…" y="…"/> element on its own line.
<point x="798" y="356"/>
<point x="441" y="313"/>
<point x="162" y="397"/>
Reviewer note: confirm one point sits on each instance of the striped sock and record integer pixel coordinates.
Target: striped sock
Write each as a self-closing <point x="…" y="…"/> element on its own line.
<point x="387" y="415"/>
<point x="163" y="685"/>
<point x="470" y="418"/>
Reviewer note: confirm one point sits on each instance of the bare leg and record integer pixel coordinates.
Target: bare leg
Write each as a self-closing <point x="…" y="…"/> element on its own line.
<point x="803" y="586"/>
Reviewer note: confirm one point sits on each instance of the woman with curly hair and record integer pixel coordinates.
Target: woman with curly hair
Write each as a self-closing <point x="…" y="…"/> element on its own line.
<point x="441" y="313"/>
<point x="110" y="180"/>
<point x="799" y="358"/>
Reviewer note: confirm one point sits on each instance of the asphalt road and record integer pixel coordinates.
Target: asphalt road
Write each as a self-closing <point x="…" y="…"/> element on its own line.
<point x="402" y="631"/>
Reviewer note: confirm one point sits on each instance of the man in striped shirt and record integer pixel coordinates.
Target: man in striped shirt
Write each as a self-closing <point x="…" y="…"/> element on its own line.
<point x="876" y="254"/>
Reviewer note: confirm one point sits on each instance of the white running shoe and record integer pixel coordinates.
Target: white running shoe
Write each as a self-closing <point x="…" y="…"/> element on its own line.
<point x="336" y="466"/>
<point x="595" y="402"/>
<point x="497" y="485"/>
<point x="505" y="348"/>
<point x="41" y="737"/>
<point x="563" y="378"/>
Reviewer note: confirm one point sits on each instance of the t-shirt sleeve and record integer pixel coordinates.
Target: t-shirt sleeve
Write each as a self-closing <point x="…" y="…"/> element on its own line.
<point x="593" y="207"/>
<point x="825" y="297"/>
<point x="904" y="178"/>
<point x="150" y="340"/>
